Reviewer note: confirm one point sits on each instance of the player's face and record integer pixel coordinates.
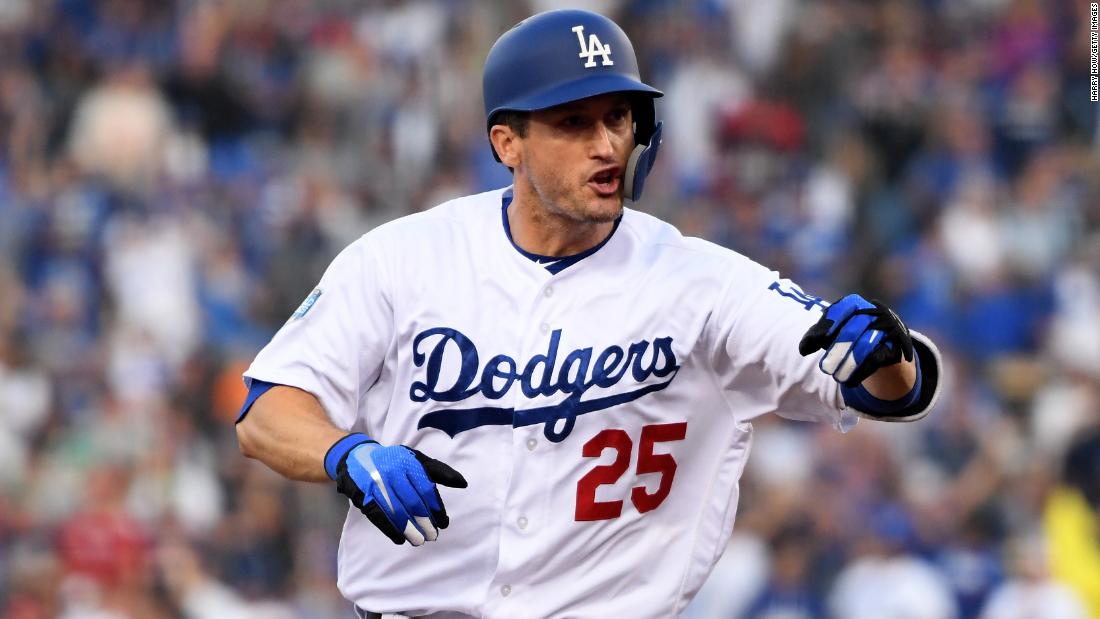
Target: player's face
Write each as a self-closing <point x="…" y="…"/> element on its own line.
<point x="574" y="155"/>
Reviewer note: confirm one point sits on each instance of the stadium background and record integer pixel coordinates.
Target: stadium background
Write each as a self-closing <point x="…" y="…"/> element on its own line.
<point x="175" y="175"/>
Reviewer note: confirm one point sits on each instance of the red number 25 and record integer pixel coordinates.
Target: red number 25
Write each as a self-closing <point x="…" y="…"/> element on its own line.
<point x="588" y="508"/>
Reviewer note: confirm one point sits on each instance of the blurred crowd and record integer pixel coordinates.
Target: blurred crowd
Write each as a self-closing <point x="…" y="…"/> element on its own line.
<point x="174" y="176"/>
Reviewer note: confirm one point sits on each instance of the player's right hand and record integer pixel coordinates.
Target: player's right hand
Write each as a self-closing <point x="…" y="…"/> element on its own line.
<point x="394" y="486"/>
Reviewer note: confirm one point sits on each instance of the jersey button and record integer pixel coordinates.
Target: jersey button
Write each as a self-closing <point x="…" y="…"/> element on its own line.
<point x="505" y="590"/>
<point x="545" y="328"/>
<point x="522" y="522"/>
<point x="531" y="444"/>
<point x="549" y="292"/>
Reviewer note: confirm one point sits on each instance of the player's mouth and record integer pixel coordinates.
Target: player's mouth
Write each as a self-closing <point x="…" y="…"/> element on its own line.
<point x="605" y="182"/>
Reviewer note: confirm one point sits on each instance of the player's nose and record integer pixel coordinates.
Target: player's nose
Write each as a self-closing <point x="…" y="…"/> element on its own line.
<point x="601" y="144"/>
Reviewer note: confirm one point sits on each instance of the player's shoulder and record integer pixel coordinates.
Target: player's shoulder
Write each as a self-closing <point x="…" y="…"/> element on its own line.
<point x="669" y="243"/>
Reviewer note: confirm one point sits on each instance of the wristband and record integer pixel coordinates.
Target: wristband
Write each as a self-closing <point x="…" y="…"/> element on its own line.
<point x="339" y="450"/>
<point x="859" y="398"/>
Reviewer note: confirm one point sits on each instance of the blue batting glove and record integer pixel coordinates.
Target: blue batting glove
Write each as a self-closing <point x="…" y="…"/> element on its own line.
<point x="394" y="486"/>
<point x="858" y="337"/>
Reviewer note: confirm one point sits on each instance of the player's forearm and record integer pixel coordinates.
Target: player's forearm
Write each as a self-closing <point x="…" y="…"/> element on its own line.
<point x="892" y="382"/>
<point x="287" y="430"/>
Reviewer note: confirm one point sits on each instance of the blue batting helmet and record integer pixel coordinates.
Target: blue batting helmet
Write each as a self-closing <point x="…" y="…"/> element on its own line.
<point x="565" y="55"/>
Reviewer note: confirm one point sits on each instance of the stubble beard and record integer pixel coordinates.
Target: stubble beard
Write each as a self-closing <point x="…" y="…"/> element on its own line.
<point x="573" y="208"/>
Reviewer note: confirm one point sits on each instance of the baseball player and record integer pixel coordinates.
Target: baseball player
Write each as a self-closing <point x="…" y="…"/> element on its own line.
<point x="565" y="385"/>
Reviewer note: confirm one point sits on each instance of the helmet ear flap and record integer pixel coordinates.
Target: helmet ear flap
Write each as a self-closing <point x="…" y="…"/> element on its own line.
<point x="642" y="108"/>
<point x="640" y="163"/>
<point x="647" y="139"/>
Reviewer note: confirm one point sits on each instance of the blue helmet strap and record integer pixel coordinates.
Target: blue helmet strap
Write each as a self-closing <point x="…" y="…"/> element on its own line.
<point x="640" y="163"/>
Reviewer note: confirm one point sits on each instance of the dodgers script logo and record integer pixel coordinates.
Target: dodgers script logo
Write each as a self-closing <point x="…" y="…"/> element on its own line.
<point x="593" y="48"/>
<point x="580" y="371"/>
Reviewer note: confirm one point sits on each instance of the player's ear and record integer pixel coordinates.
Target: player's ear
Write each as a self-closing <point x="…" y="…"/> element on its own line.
<point x="506" y="142"/>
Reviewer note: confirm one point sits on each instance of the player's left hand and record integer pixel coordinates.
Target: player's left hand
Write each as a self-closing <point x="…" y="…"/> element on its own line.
<point x="858" y="337"/>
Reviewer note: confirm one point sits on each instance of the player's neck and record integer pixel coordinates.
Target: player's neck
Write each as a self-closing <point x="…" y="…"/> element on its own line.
<point x="538" y="230"/>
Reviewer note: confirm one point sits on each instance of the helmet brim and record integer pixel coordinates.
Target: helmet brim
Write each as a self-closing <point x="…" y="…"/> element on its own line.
<point x="575" y="90"/>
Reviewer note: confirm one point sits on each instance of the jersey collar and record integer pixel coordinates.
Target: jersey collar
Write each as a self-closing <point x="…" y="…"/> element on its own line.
<point x="553" y="264"/>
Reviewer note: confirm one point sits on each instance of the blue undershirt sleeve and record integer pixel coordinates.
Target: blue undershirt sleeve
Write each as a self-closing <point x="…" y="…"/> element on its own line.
<point x="256" y="389"/>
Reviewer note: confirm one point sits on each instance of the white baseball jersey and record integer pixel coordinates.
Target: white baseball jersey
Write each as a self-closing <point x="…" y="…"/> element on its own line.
<point x="600" y="412"/>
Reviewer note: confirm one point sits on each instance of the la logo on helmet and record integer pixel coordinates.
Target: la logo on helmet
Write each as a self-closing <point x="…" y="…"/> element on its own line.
<point x="593" y="48"/>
